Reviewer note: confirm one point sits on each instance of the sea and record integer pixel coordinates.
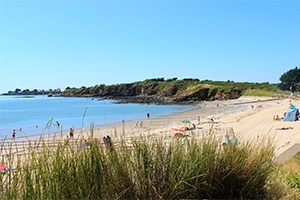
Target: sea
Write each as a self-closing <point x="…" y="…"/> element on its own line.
<point x="35" y="115"/>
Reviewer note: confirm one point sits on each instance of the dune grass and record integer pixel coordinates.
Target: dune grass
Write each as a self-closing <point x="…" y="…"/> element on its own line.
<point x="182" y="168"/>
<point x="291" y="170"/>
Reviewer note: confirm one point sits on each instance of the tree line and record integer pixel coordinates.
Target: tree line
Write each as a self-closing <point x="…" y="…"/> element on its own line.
<point x="19" y="91"/>
<point x="290" y="79"/>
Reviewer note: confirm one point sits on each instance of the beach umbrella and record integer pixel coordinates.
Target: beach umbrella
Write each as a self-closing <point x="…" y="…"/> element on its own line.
<point x="211" y="117"/>
<point x="185" y="121"/>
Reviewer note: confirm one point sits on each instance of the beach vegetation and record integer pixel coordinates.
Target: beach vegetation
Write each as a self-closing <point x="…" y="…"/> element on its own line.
<point x="182" y="89"/>
<point x="172" y="79"/>
<point x="186" y="89"/>
<point x="145" y="168"/>
<point x="291" y="170"/>
<point x="17" y="90"/>
<point x="290" y="78"/>
<point x="261" y="93"/>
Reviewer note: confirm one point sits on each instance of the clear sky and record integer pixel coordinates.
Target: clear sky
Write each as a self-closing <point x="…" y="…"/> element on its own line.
<point x="59" y="43"/>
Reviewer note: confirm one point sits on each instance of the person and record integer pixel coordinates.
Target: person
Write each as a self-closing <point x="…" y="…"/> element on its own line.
<point x="105" y="142"/>
<point x="292" y="89"/>
<point x="148" y="115"/>
<point x="58" y="124"/>
<point x="284" y="128"/>
<point x="14" y="134"/>
<point x="71" y="132"/>
<point x="277" y="118"/>
<point x="284" y="115"/>
<point x="67" y="140"/>
<point x="198" y="120"/>
<point x="108" y="143"/>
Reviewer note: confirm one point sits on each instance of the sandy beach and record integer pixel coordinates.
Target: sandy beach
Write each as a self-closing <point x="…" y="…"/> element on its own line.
<point x="246" y="118"/>
<point x="249" y="118"/>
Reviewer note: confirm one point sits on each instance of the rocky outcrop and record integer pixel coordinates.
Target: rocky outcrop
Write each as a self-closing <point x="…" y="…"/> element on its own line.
<point x="156" y="93"/>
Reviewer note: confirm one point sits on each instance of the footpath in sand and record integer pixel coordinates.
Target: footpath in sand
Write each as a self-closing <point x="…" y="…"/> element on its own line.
<point x="250" y="118"/>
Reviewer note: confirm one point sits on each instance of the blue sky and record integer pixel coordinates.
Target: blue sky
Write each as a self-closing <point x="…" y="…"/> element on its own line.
<point x="60" y="43"/>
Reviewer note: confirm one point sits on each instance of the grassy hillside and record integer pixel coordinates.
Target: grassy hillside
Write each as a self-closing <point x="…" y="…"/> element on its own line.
<point x="174" y="88"/>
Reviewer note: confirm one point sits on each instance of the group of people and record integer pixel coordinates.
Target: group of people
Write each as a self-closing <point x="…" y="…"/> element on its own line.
<point x="71" y="135"/>
<point x="277" y="118"/>
<point x="14" y="133"/>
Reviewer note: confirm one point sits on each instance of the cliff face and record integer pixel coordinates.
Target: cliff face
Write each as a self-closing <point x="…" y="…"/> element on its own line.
<point x="156" y="92"/>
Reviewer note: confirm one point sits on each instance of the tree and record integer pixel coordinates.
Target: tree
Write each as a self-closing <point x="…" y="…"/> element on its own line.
<point x="289" y="78"/>
<point x="17" y="90"/>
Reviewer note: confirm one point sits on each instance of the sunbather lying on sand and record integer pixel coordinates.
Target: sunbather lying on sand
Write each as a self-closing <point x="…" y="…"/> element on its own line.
<point x="284" y="128"/>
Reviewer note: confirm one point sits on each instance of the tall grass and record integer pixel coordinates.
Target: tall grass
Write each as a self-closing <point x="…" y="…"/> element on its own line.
<point x="291" y="170"/>
<point x="146" y="169"/>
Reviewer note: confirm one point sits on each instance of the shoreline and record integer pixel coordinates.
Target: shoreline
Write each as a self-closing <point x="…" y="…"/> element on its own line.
<point x="248" y="118"/>
<point x="70" y="115"/>
<point x="218" y="108"/>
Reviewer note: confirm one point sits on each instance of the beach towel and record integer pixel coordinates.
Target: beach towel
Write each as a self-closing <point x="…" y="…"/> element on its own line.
<point x="178" y="129"/>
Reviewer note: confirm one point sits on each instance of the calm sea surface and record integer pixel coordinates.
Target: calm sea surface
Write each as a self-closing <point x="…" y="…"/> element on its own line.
<point x="33" y="115"/>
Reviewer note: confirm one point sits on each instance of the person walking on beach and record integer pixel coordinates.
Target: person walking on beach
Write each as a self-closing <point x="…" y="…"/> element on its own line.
<point x="71" y="132"/>
<point x="292" y="89"/>
<point x="14" y="134"/>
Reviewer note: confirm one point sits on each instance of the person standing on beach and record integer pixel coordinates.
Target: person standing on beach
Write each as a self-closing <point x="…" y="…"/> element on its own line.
<point x="67" y="140"/>
<point x="198" y="120"/>
<point x="71" y="132"/>
<point x="14" y="134"/>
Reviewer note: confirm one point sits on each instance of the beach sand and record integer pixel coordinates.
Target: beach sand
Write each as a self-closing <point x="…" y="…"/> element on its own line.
<point x="247" y="118"/>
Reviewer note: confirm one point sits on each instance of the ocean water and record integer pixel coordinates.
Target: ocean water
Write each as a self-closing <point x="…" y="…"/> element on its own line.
<point x="38" y="114"/>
